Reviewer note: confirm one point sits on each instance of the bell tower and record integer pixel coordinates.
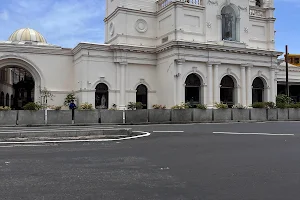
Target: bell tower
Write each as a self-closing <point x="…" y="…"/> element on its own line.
<point x="130" y="22"/>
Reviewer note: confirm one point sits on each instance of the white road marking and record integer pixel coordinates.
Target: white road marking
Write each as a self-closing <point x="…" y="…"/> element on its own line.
<point x="168" y="131"/>
<point x="145" y="134"/>
<point x="269" y="134"/>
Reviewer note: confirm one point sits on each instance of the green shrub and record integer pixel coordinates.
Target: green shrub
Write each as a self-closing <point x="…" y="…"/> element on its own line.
<point x="70" y="97"/>
<point x="259" y="105"/>
<point x="270" y="105"/>
<point x="157" y="106"/>
<point x="294" y="105"/>
<point x="32" y="106"/>
<point x="86" y="106"/>
<point x="181" y="106"/>
<point x="239" y="106"/>
<point x="201" y="106"/>
<point x="221" y="105"/>
<point x="282" y="98"/>
<point x="282" y="105"/>
<point x="135" y="105"/>
<point x="5" y="108"/>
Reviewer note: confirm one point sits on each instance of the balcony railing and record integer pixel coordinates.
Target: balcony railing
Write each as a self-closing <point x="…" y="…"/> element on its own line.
<point x="164" y="3"/>
<point x="257" y="12"/>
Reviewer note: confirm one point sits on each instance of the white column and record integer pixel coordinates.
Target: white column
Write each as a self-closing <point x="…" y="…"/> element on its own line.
<point x="243" y="86"/>
<point x="179" y="84"/>
<point x="122" y="86"/>
<point x="216" y="84"/>
<point x="272" y="85"/>
<point x="209" y="86"/>
<point x="249" y="86"/>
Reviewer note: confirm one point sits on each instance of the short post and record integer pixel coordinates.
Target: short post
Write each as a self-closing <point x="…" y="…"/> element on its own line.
<point x="73" y="114"/>
<point x="124" y="118"/>
<point x="46" y="116"/>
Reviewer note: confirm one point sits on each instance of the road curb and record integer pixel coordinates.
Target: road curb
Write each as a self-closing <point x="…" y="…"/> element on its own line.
<point x="64" y="133"/>
<point x="141" y="135"/>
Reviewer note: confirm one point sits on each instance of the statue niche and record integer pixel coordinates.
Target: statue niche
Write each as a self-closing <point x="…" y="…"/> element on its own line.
<point x="228" y="24"/>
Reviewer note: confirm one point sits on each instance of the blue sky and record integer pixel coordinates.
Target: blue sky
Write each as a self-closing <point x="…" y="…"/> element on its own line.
<point x="68" y="22"/>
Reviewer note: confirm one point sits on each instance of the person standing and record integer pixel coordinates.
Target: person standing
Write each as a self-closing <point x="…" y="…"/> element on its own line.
<point x="72" y="106"/>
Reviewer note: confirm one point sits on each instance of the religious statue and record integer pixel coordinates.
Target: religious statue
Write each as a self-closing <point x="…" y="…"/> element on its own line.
<point x="103" y="101"/>
<point x="228" y="26"/>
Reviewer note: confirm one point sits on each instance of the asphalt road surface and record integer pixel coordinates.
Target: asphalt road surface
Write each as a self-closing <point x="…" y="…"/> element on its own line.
<point x="247" y="161"/>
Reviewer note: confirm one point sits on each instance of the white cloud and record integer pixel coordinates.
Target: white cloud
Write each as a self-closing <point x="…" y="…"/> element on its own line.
<point x="62" y="22"/>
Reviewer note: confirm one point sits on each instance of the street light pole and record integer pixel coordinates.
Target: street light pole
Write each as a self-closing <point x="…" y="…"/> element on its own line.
<point x="287" y="71"/>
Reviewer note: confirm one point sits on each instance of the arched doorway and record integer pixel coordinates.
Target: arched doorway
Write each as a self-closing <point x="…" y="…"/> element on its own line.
<point x="257" y="90"/>
<point x="2" y="99"/>
<point x="142" y="95"/>
<point x="22" y="80"/>
<point x="227" y="91"/>
<point x="12" y="101"/>
<point x="101" y="96"/>
<point x="7" y="100"/>
<point x="193" y="90"/>
<point x="22" y="86"/>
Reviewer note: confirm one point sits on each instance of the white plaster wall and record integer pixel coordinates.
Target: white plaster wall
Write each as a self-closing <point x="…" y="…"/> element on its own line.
<point x="56" y="71"/>
<point x="126" y="29"/>
<point x="137" y="74"/>
<point x="166" y="69"/>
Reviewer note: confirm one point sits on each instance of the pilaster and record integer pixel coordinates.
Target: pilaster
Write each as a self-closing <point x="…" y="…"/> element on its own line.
<point x="273" y="84"/>
<point x="243" y="86"/>
<point x="216" y="83"/>
<point x="249" y="84"/>
<point x="209" y="93"/>
<point x="122" y="86"/>
<point x="179" y="84"/>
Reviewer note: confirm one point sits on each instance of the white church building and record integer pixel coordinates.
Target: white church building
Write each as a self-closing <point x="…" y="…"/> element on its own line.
<point x="155" y="52"/>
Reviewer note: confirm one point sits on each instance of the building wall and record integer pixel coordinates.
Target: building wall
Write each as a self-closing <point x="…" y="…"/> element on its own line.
<point x="188" y="22"/>
<point x="55" y="72"/>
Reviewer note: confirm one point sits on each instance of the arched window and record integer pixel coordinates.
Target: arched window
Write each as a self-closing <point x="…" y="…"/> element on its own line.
<point x="257" y="90"/>
<point x="193" y="90"/>
<point x="142" y="95"/>
<point x="258" y="3"/>
<point x="101" y="96"/>
<point x="7" y="100"/>
<point x="2" y="99"/>
<point x="227" y="91"/>
<point x="12" y="101"/>
<point x="229" y="24"/>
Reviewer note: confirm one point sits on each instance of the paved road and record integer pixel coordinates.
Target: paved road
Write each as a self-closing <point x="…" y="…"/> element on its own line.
<point x="196" y="164"/>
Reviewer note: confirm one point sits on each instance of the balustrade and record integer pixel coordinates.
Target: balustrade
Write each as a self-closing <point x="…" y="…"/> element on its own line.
<point x="164" y="3"/>
<point x="257" y="12"/>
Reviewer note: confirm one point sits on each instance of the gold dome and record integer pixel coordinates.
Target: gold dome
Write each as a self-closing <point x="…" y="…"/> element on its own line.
<point x="27" y="35"/>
